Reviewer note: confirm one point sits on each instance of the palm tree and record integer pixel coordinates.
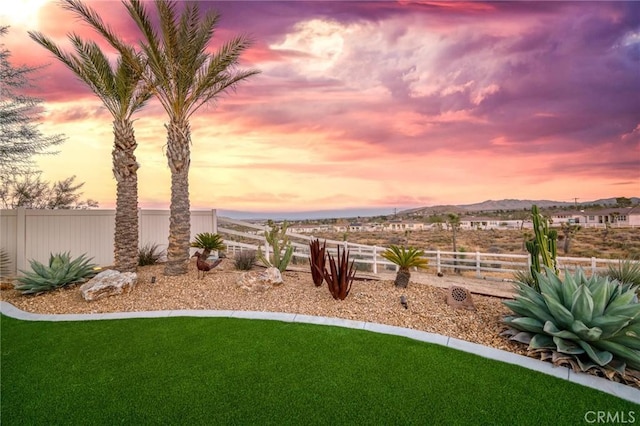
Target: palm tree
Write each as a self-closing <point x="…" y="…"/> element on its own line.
<point x="405" y="258"/>
<point x="122" y="92"/>
<point x="185" y="76"/>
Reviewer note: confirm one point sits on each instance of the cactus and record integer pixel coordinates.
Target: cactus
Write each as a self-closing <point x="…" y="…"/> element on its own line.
<point x="278" y="240"/>
<point x="543" y="246"/>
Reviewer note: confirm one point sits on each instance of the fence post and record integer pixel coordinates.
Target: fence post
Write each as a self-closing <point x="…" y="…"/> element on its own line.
<point x="375" y="259"/>
<point x="21" y="239"/>
<point x="593" y="266"/>
<point x="478" y="264"/>
<point x="214" y="221"/>
<point x="438" y="266"/>
<point x="139" y="226"/>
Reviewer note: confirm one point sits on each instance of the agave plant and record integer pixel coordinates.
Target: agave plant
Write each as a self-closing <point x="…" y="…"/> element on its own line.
<point x="405" y="258"/>
<point x="585" y="323"/>
<point x="208" y="242"/>
<point x="61" y="271"/>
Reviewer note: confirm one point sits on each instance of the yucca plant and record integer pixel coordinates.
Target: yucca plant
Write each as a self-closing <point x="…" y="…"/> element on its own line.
<point x="208" y="242"/>
<point x="587" y="323"/>
<point x="405" y="258"/>
<point x="4" y="263"/>
<point x="525" y="277"/>
<point x="625" y="272"/>
<point x="149" y="254"/>
<point x="245" y="260"/>
<point x="61" y="272"/>
<point x="340" y="275"/>
<point x="5" y="273"/>
<point x="317" y="261"/>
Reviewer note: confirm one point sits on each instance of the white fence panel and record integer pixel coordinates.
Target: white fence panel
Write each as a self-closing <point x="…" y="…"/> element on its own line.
<point x="78" y="232"/>
<point x="9" y="236"/>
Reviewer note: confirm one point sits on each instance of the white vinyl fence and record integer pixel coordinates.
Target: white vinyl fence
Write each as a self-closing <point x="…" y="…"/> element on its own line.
<point x="27" y="234"/>
<point x="33" y="234"/>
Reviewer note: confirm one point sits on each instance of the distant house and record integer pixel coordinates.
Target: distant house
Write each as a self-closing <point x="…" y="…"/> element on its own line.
<point x="403" y="225"/>
<point x="616" y="217"/>
<point x="474" y="222"/>
<point x="310" y="229"/>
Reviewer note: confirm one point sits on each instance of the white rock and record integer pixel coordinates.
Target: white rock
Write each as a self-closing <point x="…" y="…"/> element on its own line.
<point x="108" y="283"/>
<point x="260" y="281"/>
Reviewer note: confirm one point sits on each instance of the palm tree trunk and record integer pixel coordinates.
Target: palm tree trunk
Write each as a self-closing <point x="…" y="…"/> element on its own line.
<point x="178" y="156"/>
<point x="125" y="170"/>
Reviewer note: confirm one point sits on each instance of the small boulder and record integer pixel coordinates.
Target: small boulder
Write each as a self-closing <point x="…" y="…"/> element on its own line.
<point x="108" y="283"/>
<point x="260" y="281"/>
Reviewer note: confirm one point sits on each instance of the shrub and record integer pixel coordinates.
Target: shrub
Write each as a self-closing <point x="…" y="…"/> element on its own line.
<point x="625" y="272"/>
<point x="245" y="260"/>
<point x="149" y="254"/>
<point x="61" y="272"/>
<point x="586" y="323"/>
<point x="405" y="258"/>
<point x="341" y="275"/>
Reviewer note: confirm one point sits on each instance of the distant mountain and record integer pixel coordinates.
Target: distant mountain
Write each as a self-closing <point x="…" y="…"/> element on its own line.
<point x="506" y="204"/>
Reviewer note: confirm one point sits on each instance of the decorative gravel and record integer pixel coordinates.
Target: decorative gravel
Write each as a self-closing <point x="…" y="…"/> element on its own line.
<point x="372" y="301"/>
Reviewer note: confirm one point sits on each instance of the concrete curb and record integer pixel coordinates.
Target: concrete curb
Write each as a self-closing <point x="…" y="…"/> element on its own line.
<point x="617" y="389"/>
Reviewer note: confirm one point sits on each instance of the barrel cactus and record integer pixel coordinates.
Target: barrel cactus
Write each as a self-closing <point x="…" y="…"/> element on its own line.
<point x="60" y="272"/>
<point x="586" y="323"/>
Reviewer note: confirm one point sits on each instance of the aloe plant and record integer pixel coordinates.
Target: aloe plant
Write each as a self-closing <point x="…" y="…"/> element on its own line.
<point x="584" y="322"/>
<point x="277" y="238"/>
<point x="405" y="258"/>
<point x="60" y="272"/>
<point x="208" y="242"/>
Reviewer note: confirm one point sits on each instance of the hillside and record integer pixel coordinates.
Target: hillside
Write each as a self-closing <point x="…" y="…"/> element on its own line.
<point x="505" y="205"/>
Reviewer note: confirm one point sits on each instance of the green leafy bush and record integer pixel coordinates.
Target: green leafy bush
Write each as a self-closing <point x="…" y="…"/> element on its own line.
<point x="405" y="258"/>
<point x="245" y="260"/>
<point x="585" y="323"/>
<point x="61" y="272"/>
<point x="149" y="254"/>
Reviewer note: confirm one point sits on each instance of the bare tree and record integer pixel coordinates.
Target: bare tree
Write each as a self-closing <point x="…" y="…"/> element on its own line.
<point x="20" y="137"/>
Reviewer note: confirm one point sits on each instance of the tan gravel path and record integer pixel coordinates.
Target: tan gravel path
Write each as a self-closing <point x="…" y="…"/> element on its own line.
<point x="373" y="301"/>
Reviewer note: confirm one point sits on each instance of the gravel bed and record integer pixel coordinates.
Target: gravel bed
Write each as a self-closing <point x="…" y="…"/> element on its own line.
<point x="373" y="301"/>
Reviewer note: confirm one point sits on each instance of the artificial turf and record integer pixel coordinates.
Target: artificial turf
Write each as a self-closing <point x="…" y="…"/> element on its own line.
<point x="232" y="371"/>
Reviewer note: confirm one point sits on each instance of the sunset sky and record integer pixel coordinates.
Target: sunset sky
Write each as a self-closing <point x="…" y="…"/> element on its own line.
<point x="374" y="105"/>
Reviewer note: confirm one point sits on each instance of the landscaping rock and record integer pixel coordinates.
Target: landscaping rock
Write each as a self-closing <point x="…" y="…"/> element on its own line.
<point x="260" y="281"/>
<point x="108" y="283"/>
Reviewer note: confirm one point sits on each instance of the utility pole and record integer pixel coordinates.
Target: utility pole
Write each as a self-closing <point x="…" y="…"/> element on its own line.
<point x="575" y="200"/>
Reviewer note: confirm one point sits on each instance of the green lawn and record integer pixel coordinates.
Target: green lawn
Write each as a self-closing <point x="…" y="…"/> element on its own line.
<point x="178" y="371"/>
